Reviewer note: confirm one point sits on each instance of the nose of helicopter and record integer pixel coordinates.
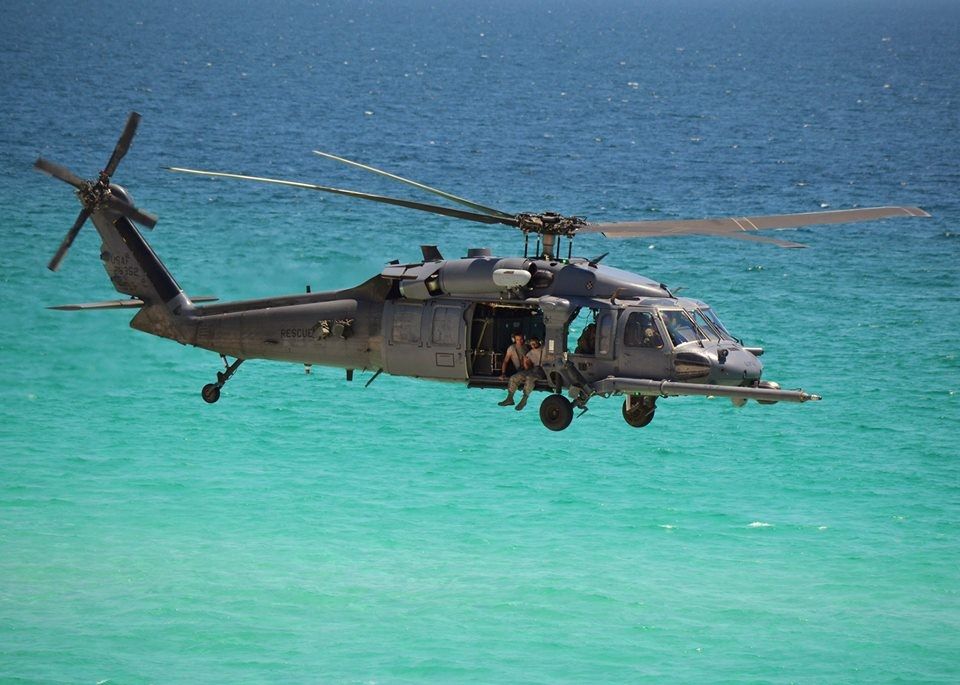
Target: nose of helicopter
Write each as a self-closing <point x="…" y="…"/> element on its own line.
<point x="735" y="366"/>
<point x="718" y="364"/>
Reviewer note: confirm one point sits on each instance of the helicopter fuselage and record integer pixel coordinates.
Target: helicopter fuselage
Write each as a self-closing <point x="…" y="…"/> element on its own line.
<point x="604" y="331"/>
<point x="449" y="320"/>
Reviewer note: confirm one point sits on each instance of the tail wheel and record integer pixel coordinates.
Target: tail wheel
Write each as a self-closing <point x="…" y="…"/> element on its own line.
<point x="210" y="393"/>
<point x="640" y="414"/>
<point x="556" y="412"/>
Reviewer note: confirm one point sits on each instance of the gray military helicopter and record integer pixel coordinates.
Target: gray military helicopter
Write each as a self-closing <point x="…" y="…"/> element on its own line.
<point x="452" y="319"/>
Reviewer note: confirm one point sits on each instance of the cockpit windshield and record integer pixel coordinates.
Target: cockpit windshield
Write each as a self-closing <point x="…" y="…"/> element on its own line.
<point x="680" y="326"/>
<point x="697" y="324"/>
<point x="713" y="323"/>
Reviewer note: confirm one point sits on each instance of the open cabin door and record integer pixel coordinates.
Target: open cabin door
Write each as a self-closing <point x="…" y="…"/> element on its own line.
<point x="492" y="326"/>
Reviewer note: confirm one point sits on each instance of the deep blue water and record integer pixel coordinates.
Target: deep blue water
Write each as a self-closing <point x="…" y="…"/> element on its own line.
<point x="309" y="530"/>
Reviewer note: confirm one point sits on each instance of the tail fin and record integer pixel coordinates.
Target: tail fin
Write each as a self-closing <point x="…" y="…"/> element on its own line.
<point x="135" y="270"/>
<point x="132" y="266"/>
<point x="131" y="263"/>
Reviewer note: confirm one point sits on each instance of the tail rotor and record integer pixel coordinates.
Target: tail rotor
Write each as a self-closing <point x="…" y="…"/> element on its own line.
<point x="96" y="195"/>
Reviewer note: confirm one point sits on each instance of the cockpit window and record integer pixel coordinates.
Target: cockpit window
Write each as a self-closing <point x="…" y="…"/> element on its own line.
<point x="697" y="324"/>
<point x="715" y="322"/>
<point x="706" y="326"/>
<point x="680" y="326"/>
<point x="642" y="331"/>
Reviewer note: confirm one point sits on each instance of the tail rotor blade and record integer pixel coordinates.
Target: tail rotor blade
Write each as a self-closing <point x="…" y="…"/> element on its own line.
<point x="123" y="144"/>
<point x="57" y="171"/>
<point x="68" y="240"/>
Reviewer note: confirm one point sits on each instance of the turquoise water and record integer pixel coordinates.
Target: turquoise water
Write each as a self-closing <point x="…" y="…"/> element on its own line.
<point x="305" y="529"/>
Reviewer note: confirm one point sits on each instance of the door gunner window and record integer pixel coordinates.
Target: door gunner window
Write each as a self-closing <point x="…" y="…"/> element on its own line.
<point x="604" y="333"/>
<point x="582" y="332"/>
<point x="642" y="331"/>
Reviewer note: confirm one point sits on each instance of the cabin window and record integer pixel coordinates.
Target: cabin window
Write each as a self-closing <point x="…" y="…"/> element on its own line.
<point x="446" y="326"/>
<point x="406" y="323"/>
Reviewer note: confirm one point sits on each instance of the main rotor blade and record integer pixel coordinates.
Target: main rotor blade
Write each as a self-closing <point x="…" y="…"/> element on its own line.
<point x="68" y="240"/>
<point x="753" y="237"/>
<point x="57" y="171"/>
<point x="143" y="218"/>
<point x="435" y="209"/>
<point x="453" y="198"/>
<point x="123" y="144"/>
<point x="736" y="226"/>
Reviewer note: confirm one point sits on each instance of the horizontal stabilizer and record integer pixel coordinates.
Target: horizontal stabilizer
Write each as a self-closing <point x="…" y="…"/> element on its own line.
<point x="132" y="303"/>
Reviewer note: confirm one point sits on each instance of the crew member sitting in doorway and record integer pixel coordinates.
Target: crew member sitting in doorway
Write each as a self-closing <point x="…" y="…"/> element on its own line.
<point x="514" y="355"/>
<point x="528" y="376"/>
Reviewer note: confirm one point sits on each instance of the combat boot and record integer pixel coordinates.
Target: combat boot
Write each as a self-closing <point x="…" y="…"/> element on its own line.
<point x="521" y="404"/>
<point x="506" y="402"/>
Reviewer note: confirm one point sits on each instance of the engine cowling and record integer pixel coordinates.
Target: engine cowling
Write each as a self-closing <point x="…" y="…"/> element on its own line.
<point x="483" y="276"/>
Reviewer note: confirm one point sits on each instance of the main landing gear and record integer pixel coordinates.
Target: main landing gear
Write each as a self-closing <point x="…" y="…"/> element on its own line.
<point x="638" y="411"/>
<point x="556" y="412"/>
<point x="211" y="391"/>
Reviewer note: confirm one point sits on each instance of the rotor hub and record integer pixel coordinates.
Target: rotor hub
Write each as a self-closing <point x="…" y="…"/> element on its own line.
<point x="550" y="223"/>
<point x="94" y="195"/>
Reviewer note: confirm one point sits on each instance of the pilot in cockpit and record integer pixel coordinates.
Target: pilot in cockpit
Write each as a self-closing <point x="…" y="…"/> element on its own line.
<point x="651" y="336"/>
<point x="642" y="331"/>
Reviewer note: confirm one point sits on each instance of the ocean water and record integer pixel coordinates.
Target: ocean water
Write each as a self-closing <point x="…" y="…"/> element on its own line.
<point x="306" y="529"/>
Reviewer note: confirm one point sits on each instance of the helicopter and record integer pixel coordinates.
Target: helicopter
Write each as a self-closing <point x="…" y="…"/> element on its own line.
<point x="605" y="331"/>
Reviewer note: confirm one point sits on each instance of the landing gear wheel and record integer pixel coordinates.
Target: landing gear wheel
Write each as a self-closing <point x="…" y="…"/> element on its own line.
<point x="770" y="385"/>
<point x="640" y="414"/>
<point x="210" y="393"/>
<point x="556" y="412"/>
